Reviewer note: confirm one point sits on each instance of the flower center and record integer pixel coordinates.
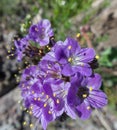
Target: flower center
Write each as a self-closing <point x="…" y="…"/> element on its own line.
<point x="76" y="60"/>
<point x="83" y="92"/>
<point x="70" y="59"/>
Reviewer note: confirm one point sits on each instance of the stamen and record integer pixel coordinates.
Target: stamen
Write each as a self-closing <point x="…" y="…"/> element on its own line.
<point x="49" y="67"/>
<point x="26" y="62"/>
<point x="12" y="54"/>
<point x="69" y="47"/>
<point x="12" y="48"/>
<point x="30" y="112"/>
<point x="36" y="29"/>
<point x="90" y="88"/>
<point x="84" y="95"/>
<point x="88" y="108"/>
<point x="54" y="94"/>
<point x="97" y="57"/>
<point x="78" y="35"/>
<point x="31" y="125"/>
<point x="49" y="112"/>
<point x="45" y="104"/>
<point x="9" y="51"/>
<point x="42" y="93"/>
<point x="19" y="101"/>
<point x="17" y="80"/>
<point x="35" y="99"/>
<point x="24" y="123"/>
<point x="33" y="92"/>
<point x="52" y="37"/>
<point x="15" y="75"/>
<point x="8" y="57"/>
<point x="47" y="96"/>
<point x="31" y="107"/>
<point x="40" y="51"/>
<point x="39" y="99"/>
<point x="49" y="48"/>
<point x="70" y="59"/>
<point x="57" y="101"/>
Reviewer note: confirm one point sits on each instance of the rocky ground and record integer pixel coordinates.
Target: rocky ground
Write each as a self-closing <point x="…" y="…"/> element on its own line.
<point x="12" y="114"/>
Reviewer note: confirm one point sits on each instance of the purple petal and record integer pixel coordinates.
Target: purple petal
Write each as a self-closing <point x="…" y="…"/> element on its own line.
<point x="33" y="32"/>
<point x="44" y="122"/>
<point x="58" y="104"/>
<point x="47" y="114"/>
<point x="72" y="98"/>
<point x="47" y="89"/>
<point x="87" y="55"/>
<point x="97" y="99"/>
<point x="38" y="103"/>
<point x="50" y="56"/>
<point x="60" y="55"/>
<point x="67" y="70"/>
<point x="95" y="81"/>
<point x="66" y="86"/>
<point x="59" y="113"/>
<point x="36" y="111"/>
<point x="76" y="79"/>
<point x="36" y="87"/>
<point x="50" y="33"/>
<point x="45" y="23"/>
<point x="59" y="43"/>
<point x="70" y="111"/>
<point x="84" y="111"/>
<point x="19" y="56"/>
<point x="44" y="41"/>
<point x="27" y="103"/>
<point x="83" y="69"/>
<point x="71" y="46"/>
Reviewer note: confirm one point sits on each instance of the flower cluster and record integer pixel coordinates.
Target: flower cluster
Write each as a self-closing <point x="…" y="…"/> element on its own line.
<point x="63" y="81"/>
<point x="39" y="34"/>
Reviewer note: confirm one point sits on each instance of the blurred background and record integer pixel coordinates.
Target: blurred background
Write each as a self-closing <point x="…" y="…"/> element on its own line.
<point x="95" y="20"/>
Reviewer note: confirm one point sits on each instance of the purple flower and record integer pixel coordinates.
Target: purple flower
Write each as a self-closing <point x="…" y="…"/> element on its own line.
<point x="41" y="93"/>
<point x="48" y="101"/>
<point x="60" y="85"/>
<point x="85" y="95"/>
<point x="63" y="81"/>
<point x="45" y="102"/>
<point x="21" y="46"/>
<point x="73" y="57"/>
<point x="29" y="77"/>
<point x="41" y="32"/>
<point x="53" y="75"/>
<point x="51" y="71"/>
